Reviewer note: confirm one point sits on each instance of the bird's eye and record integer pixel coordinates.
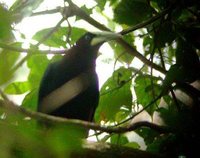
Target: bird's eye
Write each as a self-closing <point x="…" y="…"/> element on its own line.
<point x="88" y="37"/>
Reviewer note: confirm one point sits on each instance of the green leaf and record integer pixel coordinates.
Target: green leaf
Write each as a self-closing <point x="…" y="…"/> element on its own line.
<point x="170" y="55"/>
<point x="17" y="88"/>
<point x="5" y="23"/>
<point x="170" y="115"/>
<point x="101" y="4"/>
<point x="76" y="34"/>
<point x="115" y="95"/>
<point x="58" y="38"/>
<point x="86" y="10"/>
<point x="161" y="143"/>
<point x="120" y="52"/>
<point x="121" y="114"/>
<point x="132" y="12"/>
<point x="147" y="134"/>
<point x="119" y="139"/>
<point x="148" y="45"/>
<point x="55" y="40"/>
<point x="112" y="2"/>
<point x="158" y="4"/>
<point x="183" y="15"/>
<point x="30" y="100"/>
<point x="7" y="61"/>
<point x="146" y="89"/>
<point x="63" y="139"/>
<point x="134" y="145"/>
<point x="37" y="65"/>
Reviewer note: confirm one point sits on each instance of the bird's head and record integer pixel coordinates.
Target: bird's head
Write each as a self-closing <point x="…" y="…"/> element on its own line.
<point x="95" y="39"/>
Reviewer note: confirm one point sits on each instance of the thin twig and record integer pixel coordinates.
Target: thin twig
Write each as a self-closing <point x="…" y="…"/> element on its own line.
<point x="151" y="59"/>
<point x="121" y="85"/>
<point x="3" y="95"/>
<point x="54" y="29"/>
<point x="137" y="113"/>
<point x="69" y="32"/>
<point x="145" y="23"/>
<point x="118" y="57"/>
<point x="170" y="89"/>
<point x="21" y="62"/>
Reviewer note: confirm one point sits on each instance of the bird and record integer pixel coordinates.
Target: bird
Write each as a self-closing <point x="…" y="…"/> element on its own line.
<point x="69" y="87"/>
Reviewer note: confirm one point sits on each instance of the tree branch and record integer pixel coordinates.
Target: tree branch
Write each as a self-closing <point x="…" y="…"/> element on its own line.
<point x="52" y="11"/>
<point x="7" y="104"/>
<point x="19" y="49"/>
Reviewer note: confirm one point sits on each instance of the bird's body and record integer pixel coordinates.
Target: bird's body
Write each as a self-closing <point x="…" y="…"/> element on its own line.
<point x="69" y="87"/>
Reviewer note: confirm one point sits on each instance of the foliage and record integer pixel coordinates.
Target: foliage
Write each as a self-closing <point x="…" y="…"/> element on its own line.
<point x="170" y="41"/>
<point x="121" y="94"/>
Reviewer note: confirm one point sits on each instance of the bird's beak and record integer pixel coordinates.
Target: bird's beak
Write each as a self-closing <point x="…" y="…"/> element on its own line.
<point x="104" y="36"/>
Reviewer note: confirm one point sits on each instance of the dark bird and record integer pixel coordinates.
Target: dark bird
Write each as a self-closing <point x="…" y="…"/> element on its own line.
<point x="69" y="87"/>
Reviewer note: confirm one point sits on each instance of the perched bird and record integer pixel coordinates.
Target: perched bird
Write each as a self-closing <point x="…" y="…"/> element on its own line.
<point x="69" y="87"/>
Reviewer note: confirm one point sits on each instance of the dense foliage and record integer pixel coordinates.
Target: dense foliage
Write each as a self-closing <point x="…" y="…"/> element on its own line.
<point x="160" y="84"/>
